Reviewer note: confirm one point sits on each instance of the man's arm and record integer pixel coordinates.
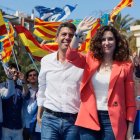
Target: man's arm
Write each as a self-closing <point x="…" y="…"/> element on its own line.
<point x="7" y="89"/>
<point x="39" y="115"/>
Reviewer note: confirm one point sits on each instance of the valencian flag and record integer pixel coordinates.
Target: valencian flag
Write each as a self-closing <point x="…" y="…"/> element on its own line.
<point x="32" y="45"/>
<point x="119" y="7"/>
<point x="3" y="29"/>
<point x="45" y="30"/>
<point x="7" y="43"/>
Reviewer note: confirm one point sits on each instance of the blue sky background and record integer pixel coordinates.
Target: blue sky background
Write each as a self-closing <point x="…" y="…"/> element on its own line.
<point x="84" y="7"/>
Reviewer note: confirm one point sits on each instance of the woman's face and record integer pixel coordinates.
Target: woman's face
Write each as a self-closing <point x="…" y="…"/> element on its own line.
<point x="108" y="43"/>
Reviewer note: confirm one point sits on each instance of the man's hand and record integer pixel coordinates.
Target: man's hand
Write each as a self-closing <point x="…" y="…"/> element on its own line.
<point x="21" y="76"/>
<point x="39" y="115"/>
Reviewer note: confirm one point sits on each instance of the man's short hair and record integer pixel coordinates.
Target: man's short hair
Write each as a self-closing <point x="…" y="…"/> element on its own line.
<point x="13" y="65"/>
<point x="31" y="70"/>
<point x="66" y="24"/>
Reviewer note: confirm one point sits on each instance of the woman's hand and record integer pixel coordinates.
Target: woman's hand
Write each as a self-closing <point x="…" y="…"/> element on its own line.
<point x="85" y="25"/>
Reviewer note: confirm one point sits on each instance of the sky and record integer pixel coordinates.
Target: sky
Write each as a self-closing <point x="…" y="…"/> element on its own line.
<point x="84" y="7"/>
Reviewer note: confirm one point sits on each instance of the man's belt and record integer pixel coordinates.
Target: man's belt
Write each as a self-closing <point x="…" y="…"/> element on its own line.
<point x="60" y="114"/>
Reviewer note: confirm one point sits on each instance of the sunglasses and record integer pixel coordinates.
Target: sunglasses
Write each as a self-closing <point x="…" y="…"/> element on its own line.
<point x="15" y="72"/>
<point x="32" y="75"/>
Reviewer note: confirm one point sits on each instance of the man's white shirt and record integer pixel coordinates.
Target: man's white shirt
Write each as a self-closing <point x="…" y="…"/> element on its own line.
<point x="59" y="85"/>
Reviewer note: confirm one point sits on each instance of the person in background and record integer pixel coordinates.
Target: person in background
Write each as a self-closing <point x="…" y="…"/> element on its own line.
<point x="12" y="96"/>
<point x="58" y="93"/>
<point x="108" y="106"/>
<point x="136" y="61"/>
<point x="1" y="114"/>
<point x="31" y="130"/>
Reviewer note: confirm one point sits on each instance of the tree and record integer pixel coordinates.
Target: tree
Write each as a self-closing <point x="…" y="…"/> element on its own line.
<point x="123" y="23"/>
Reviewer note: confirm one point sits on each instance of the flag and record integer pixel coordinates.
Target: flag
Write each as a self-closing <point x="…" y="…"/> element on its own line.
<point x="67" y="10"/>
<point x="119" y="7"/>
<point x="31" y="44"/>
<point x="51" y="47"/>
<point x="55" y="14"/>
<point x="7" y="43"/>
<point x="85" y="45"/>
<point x="46" y="13"/>
<point x="76" y="21"/>
<point x="3" y="29"/>
<point x="104" y="19"/>
<point x="45" y="30"/>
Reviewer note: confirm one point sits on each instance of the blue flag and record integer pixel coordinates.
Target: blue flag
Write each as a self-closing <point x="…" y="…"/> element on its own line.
<point x="104" y="19"/>
<point x="54" y="14"/>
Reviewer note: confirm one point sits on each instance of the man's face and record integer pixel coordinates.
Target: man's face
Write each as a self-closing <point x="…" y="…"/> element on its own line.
<point x="32" y="77"/>
<point x="64" y="38"/>
<point x="14" y="72"/>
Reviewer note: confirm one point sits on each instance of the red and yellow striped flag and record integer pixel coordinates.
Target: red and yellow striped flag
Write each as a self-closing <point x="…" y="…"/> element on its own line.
<point x="32" y="45"/>
<point x="3" y="29"/>
<point x="45" y="30"/>
<point x="119" y="7"/>
<point x="8" y="42"/>
<point x="85" y="45"/>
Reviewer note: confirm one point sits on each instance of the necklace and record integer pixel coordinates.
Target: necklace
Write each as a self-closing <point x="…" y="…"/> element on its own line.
<point x="107" y="67"/>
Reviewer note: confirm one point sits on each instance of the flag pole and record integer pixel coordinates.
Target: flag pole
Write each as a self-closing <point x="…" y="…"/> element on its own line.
<point x="33" y="62"/>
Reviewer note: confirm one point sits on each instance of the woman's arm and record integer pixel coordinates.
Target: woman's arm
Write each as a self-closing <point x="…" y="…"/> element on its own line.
<point x="130" y="101"/>
<point x="72" y="55"/>
<point x="85" y="25"/>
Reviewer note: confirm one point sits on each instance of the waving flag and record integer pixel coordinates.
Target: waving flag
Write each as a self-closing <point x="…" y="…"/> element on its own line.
<point x="3" y="29"/>
<point x="7" y="44"/>
<point x="32" y="45"/>
<point x="45" y="12"/>
<point x="119" y="7"/>
<point x="104" y="19"/>
<point x="55" y="14"/>
<point x="45" y="30"/>
<point x="85" y="45"/>
<point x="64" y="14"/>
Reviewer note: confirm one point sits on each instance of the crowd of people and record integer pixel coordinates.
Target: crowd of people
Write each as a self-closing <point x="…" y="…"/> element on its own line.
<point x="76" y="96"/>
<point x="18" y="105"/>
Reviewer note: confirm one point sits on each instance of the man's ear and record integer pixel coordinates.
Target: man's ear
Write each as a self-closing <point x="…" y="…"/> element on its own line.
<point x="56" y="40"/>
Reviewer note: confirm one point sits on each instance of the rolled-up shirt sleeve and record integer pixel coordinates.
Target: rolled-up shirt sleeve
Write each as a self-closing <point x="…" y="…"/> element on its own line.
<point x="42" y="84"/>
<point x="7" y="89"/>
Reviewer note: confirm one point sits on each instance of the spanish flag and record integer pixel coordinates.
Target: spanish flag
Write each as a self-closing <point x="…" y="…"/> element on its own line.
<point x="3" y="29"/>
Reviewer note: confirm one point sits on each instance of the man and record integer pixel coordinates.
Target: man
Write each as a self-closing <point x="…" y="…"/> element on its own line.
<point x="31" y="130"/>
<point x="58" y="94"/>
<point x="12" y="104"/>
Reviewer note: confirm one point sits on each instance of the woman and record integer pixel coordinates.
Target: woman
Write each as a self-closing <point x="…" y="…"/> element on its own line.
<point x="108" y="106"/>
